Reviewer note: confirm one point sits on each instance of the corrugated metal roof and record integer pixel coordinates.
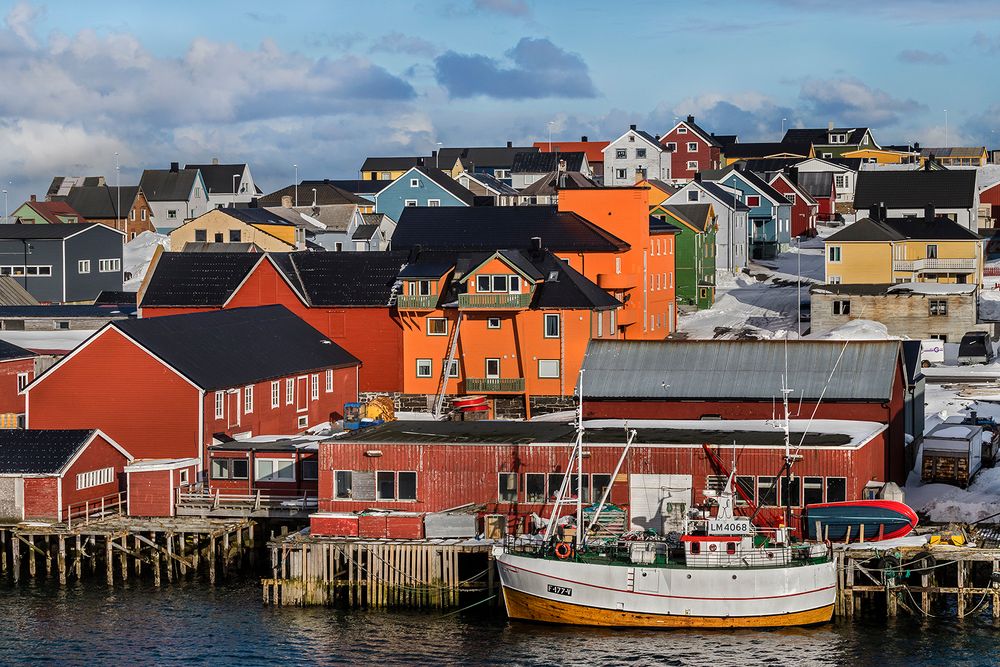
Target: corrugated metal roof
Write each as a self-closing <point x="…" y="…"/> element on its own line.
<point x="739" y="369"/>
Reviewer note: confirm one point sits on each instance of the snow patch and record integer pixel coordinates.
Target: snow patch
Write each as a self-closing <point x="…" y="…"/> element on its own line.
<point x="137" y="255"/>
<point x="943" y="503"/>
<point x="858" y="330"/>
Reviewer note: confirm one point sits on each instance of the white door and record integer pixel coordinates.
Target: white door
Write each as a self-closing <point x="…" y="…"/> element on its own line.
<point x="659" y="502"/>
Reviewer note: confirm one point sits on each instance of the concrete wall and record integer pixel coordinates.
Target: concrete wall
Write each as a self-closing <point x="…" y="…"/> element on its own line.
<point x="903" y="314"/>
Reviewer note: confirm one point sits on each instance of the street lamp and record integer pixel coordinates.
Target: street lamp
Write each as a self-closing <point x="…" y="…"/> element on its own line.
<point x="783" y="126"/>
<point x="946" y="128"/>
<point x="5" y="207"/>
<point x="550" y="124"/>
<point x="235" y="176"/>
<point x="118" y="195"/>
<point x="296" y="184"/>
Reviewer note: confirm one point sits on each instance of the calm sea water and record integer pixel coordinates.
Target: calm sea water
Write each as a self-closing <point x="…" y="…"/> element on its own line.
<point x="192" y="625"/>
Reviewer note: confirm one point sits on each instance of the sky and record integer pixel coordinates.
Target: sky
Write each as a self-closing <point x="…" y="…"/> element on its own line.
<point x="323" y="84"/>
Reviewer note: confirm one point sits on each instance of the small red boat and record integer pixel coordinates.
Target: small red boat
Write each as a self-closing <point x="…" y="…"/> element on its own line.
<point x="880" y="519"/>
<point x="468" y="401"/>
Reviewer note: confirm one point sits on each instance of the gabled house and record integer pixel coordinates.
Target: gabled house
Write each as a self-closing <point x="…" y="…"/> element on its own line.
<point x="17" y="369"/>
<point x="695" y="251"/>
<point x="484" y="185"/>
<point x="831" y="142"/>
<point x="530" y="167"/>
<point x="421" y="186"/>
<point x="956" y="156"/>
<point x="659" y="191"/>
<point x="259" y="226"/>
<point x="227" y="184"/>
<point x="374" y="233"/>
<point x="545" y="191"/>
<point x="495" y="161"/>
<point x="731" y="219"/>
<point x="122" y="208"/>
<point x="634" y="156"/>
<point x="391" y="168"/>
<point x="70" y="262"/>
<point x="174" y="195"/>
<point x="769" y="218"/>
<point x="324" y="193"/>
<point x="188" y="378"/>
<point x="766" y="151"/>
<point x="844" y="173"/>
<point x="592" y="149"/>
<point x="884" y="250"/>
<point x="34" y="212"/>
<point x="691" y="149"/>
<point x="805" y="209"/>
<point x="952" y="193"/>
<point x="339" y="227"/>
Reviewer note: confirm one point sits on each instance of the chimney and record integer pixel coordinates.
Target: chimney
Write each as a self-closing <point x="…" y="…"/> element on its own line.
<point x="536" y="243"/>
<point x="793" y="175"/>
<point x="875" y="212"/>
<point x="584" y="138"/>
<point x="510" y="144"/>
<point x="697" y="177"/>
<point x="33" y="198"/>
<point x="420" y="162"/>
<point x="916" y="145"/>
<point x="434" y="154"/>
<point x="829" y="125"/>
<point x="286" y="201"/>
<point x="631" y="127"/>
<point x="175" y="167"/>
<point x="929" y="215"/>
<point x="215" y="160"/>
<point x="657" y="137"/>
<point x="691" y="120"/>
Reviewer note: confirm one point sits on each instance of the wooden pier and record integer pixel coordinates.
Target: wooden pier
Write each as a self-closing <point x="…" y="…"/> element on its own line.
<point x="363" y="573"/>
<point x="119" y="547"/>
<point x="929" y="581"/>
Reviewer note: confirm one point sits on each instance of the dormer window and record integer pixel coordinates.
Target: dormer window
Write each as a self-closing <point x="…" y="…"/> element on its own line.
<point x="498" y="284"/>
<point x="838" y="138"/>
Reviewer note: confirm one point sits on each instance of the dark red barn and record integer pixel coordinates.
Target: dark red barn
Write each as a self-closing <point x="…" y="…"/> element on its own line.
<point x="805" y="209"/>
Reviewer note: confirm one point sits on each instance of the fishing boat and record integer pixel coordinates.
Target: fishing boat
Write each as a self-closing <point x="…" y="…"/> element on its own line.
<point x="845" y="521"/>
<point x="721" y="572"/>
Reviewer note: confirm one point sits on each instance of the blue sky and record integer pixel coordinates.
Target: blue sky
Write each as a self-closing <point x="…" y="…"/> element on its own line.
<point x="323" y="84"/>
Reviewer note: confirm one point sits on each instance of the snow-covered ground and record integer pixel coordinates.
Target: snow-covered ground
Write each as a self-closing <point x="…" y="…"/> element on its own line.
<point x="137" y="254"/>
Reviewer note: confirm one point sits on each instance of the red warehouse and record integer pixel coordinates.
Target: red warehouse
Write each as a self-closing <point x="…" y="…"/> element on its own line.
<point x="516" y="468"/>
<point x="164" y="386"/>
<point x="58" y="474"/>
<point x="271" y="466"/>
<point x="153" y="484"/>
<point x="17" y="370"/>
<point x="742" y="379"/>
<point x="346" y="295"/>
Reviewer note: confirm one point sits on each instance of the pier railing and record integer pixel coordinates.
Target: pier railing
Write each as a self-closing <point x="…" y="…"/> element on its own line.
<point x="85" y="512"/>
<point x="253" y="504"/>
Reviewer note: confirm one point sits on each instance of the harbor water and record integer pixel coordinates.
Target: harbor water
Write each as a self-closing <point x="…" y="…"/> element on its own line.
<point x="191" y="624"/>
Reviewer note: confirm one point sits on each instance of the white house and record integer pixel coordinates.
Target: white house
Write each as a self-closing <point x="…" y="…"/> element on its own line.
<point x="227" y="184"/>
<point x="633" y="156"/>
<point x="732" y="214"/>
<point x="174" y="195"/>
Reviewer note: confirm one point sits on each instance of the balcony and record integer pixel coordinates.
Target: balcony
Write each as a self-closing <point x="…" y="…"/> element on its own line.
<point x="929" y="264"/>
<point x="494" y="301"/>
<point x="627" y="317"/>
<point x="494" y="385"/>
<point x="617" y="281"/>
<point x="416" y="301"/>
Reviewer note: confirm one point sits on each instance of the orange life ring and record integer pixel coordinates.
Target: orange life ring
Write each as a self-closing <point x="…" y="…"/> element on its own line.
<point x="563" y="551"/>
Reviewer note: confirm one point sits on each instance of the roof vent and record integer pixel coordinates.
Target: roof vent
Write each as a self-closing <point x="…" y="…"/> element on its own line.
<point x="510" y="144"/>
<point x="536" y="243"/>
<point x="175" y="167"/>
<point x="631" y="127"/>
<point x="691" y="120"/>
<point x="584" y="138"/>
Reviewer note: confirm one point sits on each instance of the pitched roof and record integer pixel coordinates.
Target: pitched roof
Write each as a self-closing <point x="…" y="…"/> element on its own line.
<point x="485" y="157"/>
<point x="364" y="232"/>
<point x="327" y="192"/>
<point x="817" y="183"/>
<point x="331" y="217"/>
<point x="708" y="137"/>
<point x="219" y="177"/>
<point x="726" y="140"/>
<point x="693" y="215"/>
<point x="51" y="210"/>
<point x="492" y="227"/>
<point x="740" y="369"/>
<point x="658" y="226"/>
<point x="231" y="348"/>
<point x="46" y="231"/>
<point x="820" y="135"/>
<point x="758" y="183"/>
<point x="799" y="189"/>
<point x="915" y="189"/>
<point x="9" y="351"/>
<point x="448" y="183"/>
<point x="256" y="216"/>
<point x="12" y="293"/>
<point x="393" y="163"/>
<point x="197" y="279"/>
<point x="101" y="201"/>
<point x="491" y="182"/>
<point x="358" y="186"/>
<point x="39" y="451"/>
<point x="70" y="310"/>
<point x="61" y="185"/>
<point x="211" y="246"/>
<point x="115" y="298"/>
<point x="593" y="149"/>
<point x="899" y="229"/>
<point x="343" y="278"/>
<point x="728" y="199"/>
<point x="767" y="149"/>
<point x="167" y="184"/>
<point x="537" y="162"/>
<point x="663" y="186"/>
<point x="551" y="183"/>
<point x="954" y="151"/>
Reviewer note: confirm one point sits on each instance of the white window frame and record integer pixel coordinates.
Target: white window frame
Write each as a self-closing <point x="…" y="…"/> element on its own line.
<point x="548" y="373"/>
<point x="109" y="265"/>
<point x="22" y="381"/>
<point x="289" y="391"/>
<point x="92" y="478"/>
<point x="690" y="144"/>
<point x="329" y="380"/>
<point x="314" y="386"/>
<point x="425" y="363"/>
<point x="621" y="153"/>
<point x="414" y="182"/>
<point x="493" y="323"/>
<point x="275" y="393"/>
<point x="749" y="197"/>
<point x="545" y="325"/>
<point x="671" y="146"/>
<point x="220" y="404"/>
<point x="486" y="368"/>
<point x="834" y="250"/>
<point x="621" y="173"/>
<point x="142" y="215"/>
<point x="682" y="130"/>
<point x="692" y="165"/>
<point x="272" y="476"/>
<point x="248" y="399"/>
<point x="409" y="202"/>
<point x="433" y="202"/>
<point x="454" y="369"/>
<point x="427" y="326"/>
<point x="833" y="280"/>
<point x="83" y="266"/>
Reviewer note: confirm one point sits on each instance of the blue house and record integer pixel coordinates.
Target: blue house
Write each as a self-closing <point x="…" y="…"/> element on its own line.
<point x="421" y="186"/>
<point x="770" y="219"/>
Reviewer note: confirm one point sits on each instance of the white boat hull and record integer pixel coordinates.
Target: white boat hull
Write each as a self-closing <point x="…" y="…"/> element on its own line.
<point x="626" y="595"/>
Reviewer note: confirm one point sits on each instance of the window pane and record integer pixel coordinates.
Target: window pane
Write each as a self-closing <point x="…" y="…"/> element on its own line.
<point x="791" y="490"/>
<point x="483" y="284"/>
<point x="386" y="485"/>
<point x="342" y="484"/>
<point x="836" y="489"/>
<point x="746" y="484"/>
<point x="310" y="470"/>
<point x="265" y="469"/>
<point x="407" y="486"/>
<point x="555" y="482"/>
<point x="515" y="283"/>
<point x="813" y="490"/>
<point x="284" y="469"/>
<point x="507" y="487"/>
<point x="767" y="492"/>
<point x="600" y="482"/>
<point x="574" y="485"/>
<point x="499" y="283"/>
<point x="534" y="487"/>
<point x="220" y="469"/>
<point x="239" y="468"/>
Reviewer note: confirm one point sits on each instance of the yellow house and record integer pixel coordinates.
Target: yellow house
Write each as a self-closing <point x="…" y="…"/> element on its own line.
<point x="882" y="155"/>
<point x="259" y="226"/>
<point x="974" y="156"/>
<point x="901" y="250"/>
<point x="658" y="191"/>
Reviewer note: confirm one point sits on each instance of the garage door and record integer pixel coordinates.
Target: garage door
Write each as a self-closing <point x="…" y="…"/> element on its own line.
<point x="11" y="498"/>
<point x="659" y="502"/>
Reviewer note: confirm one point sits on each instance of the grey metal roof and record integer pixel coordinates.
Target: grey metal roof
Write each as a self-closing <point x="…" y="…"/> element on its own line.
<point x="739" y="369"/>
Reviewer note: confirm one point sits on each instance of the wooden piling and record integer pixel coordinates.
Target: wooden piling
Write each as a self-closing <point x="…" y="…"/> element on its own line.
<point x="62" y="560"/>
<point x="15" y="547"/>
<point x="78" y="559"/>
<point x="109" y="561"/>
<point x="210" y="557"/>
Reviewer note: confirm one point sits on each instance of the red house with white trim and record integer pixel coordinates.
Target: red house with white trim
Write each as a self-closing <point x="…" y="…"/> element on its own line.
<point x="17" y="370"/>
<point x="164" y="386"/>
<point x="805" y="209"/>
<point x="58" y="474"/>
<point x="344" y="295"/>
<point x="153" y="484"/>
<point x="692" y="150"/>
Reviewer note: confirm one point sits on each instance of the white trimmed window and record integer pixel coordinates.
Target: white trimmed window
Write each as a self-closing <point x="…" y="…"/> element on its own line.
<point x="220" y="404"/>
<point x="410" y="202"/>
<point x="414" y="182"/>
<point x="437" y="326"/>
<point x="109" y="265"/>
<point x="289" y="391"/>
<point x="552" y="325"/>
<point x="433" y="202"/>
<point x="274" y="470"/>
<point x="22" y="381"/>
<point x="548" y="368"/>
<point x="275" y="394"/>
<point x="248" y="399"/>
<point x="329" y="380"/>
<point x="692" y="165"/>
<point x="314" y="386"/>
<point x="87" y="480"/>
<point x="833" y="253"/>
<point x="424" y="368"/>
<point x="692" y="147"/>
<point x="83" y="266"/>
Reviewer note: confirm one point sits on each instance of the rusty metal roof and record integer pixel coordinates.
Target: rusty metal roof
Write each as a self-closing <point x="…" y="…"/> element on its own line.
<point x="740" y="369"/>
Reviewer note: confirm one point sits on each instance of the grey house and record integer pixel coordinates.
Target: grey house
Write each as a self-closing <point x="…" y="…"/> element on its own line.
<point x="62" y="263"/>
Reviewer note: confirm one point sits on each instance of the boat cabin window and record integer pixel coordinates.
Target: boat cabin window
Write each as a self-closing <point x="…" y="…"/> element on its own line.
<point x="730" y="548"/>
<point x="696" y="547"/>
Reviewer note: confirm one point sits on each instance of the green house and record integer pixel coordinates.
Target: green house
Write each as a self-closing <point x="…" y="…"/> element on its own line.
<point x="34" y="212"/>
<point x="694" y="253"/>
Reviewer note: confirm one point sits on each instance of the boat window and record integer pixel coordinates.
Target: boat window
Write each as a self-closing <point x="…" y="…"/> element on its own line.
<point x="696" y="547"/>
<point x="730" y="548"/>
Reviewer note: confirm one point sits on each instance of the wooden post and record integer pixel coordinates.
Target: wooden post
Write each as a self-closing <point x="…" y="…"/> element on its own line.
<point x="182" y="547"/>
<point x="156" y="562"/>
<point x="961" y="588"/>
<point x="211" y="560"/>
<point x="138" y="561"/>
<point x="48" y="556"/>
<point x="109" y="561"/>
<point x="78" y="559"/>
<point x="3" y="551"/>
<point x="849" y="589"/>
<point x="123" y="558"/>
<point x="225" y="555"/>
<point x="170" y="560"/>
<point x="62" y="560"/>
<point x="15" y="553"/>
<point x="32" y="565"/>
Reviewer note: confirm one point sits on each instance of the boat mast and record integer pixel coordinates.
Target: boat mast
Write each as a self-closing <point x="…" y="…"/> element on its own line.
<point x="630" y="436"/>
<point x="579" y="465"/>
<point x="785" y="391"/>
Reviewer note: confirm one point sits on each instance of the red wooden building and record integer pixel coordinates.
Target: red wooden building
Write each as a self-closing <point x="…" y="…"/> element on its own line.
<point x="344" y="295"/>
<point x="17" y="370"/>
<point x="741" y="379"/>
<point x="692" y="150"/>
<point x="153" y="484"/>
<point x="270" y="466"/>
<point x="58" y="474"/>
<point x="805" y="209"/>
<point x="163" y="387"/>
<point x="516" y="468"/>
<point x="991" y="195"/>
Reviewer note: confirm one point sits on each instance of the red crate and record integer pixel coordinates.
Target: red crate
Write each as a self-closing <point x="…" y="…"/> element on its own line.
<point x="405" y="526"/>
<point x="334" y="524"/>
<point x="372" y="526"/>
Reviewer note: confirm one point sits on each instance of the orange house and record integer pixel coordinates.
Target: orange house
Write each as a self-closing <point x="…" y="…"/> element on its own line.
<point x="641" y="276"/>
<point x="511" y="324"/>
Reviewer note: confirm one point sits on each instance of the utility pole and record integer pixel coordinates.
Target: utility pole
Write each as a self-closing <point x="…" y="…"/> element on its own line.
<point x="296" y="184"/>
<point x="118" y="195"/>
<point x="946" y="128"/>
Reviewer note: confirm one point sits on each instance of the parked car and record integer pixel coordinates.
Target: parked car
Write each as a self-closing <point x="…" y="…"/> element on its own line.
<point x="975" y="348"/>
<point x="805" y="310"/>
<point x="931" y="352"/>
